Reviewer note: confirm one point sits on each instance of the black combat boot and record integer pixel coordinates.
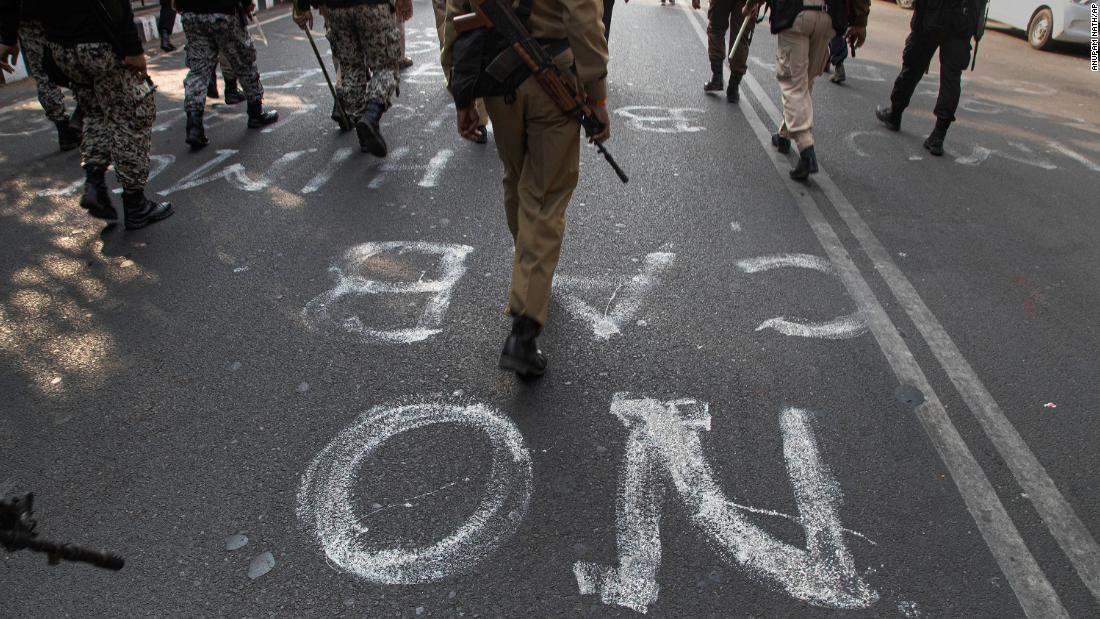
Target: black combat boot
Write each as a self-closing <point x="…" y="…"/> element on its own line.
<point x="370" y="135"/>
<point x="166" y="41"/>
<point x="141" y="211"/>
<point x="521" y="352"/>
<point x="233" y="94"/>
<point x="212" y="86"/>
<point x="716" y="83"/>
<point x="68" y="136"/>
<point x="336" y="116"/>
<point x="196" y="133"/>
<point x="257" y="117"/>
<point x="889" y="117"/>
<point x="934" y="143"/>
<point x="732" y="93"/>
<point x="839" y="75"/>
<point x="781" y="144"/>
<point x="807" y="165"/>
<point x="97" y="198"/>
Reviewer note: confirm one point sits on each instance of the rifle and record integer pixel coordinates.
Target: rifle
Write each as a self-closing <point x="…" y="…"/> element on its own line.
<point x="345" y="120"/>
<point x="17" y="533"/>
<point x="744" y="30"/>
<point x="978" y="32"/>
<point x="500" y="16"/>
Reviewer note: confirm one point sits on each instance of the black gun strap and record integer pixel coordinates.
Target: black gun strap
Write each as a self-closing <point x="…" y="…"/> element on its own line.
<point x="523" y="10"/>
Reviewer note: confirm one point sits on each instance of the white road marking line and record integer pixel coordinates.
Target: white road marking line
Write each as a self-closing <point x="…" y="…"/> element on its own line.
<point x="1034" y="592"/>
<point x="1078" y="157"/>
<point x="435" y="168"/>
<point x="665" y="439"/>
<point x="325" y="499"/>
<point x="338" y="158"/>
<point x="778" y="261"/>
<point x="390" y="164"/>
<point x="196" y="178"/>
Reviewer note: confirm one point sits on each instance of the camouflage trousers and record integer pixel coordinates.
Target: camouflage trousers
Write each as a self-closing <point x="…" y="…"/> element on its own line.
<point x="208" y="36"/>
<point x="366" y="44"/>
<point x="119" y="110"/>
<point x="32" y="39"/>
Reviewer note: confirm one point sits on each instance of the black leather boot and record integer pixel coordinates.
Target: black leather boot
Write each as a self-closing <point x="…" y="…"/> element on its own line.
<point x="521" y="352"/>
<point x="68" y="136"/>
<point x="196" y="133"/>
<point x="233" y="94"/>
<point x="781" y="144"/>
<point x="257" y="117"/>
<point x="97" y="198"/>
<point x="141" y="211"/>
<point x="889" y="117"/>
<point x="166" y="41"/>
<point x="733" y="95"/>
<point x="716" y="83"/>
<point x="807" y="165"/>
<point x="368" y="131"/>
<point x="934" y="143"/>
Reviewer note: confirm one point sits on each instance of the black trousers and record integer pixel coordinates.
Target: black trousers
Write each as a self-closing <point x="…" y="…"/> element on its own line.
<point x="608" y="7"/>
<point x="919" y="48"/>
<point x="167" y="21"/>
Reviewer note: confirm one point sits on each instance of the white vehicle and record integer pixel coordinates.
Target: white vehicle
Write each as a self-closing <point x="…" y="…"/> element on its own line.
<point x="1045" y="20"/>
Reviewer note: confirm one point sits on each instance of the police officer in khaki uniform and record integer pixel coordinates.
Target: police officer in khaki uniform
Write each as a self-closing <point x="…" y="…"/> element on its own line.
<point x="540" y="149"/>
<point x="805" y="28"/>
<point x="440" y="9"/>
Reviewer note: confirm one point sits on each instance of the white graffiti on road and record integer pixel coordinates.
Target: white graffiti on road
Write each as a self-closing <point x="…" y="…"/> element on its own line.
<point x="664" y="443"/>
<point x="325" y="501"/>
<point x="658" y="119"/>
<point x="626" y="296"/>
<point x="323" y="312"/>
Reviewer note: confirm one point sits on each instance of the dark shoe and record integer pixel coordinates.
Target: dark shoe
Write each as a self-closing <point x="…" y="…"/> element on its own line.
<point x="233" y="94"/>
<point x="889" y="117"/>
<point x="521" y="352"/>
<point x="732" y="94"/>
<point x="97" y="198"/>
<point x="716" y="82"/>
<point x="68" y="137"/>
<point x="257" y="117"/>
<point x="141" y="211"/>
<point x="839" y="75"/>
<point x="166" y="41"/>
<point x="482" y="135"/>
<point x="934" y="145"/>
<point x="196" y="133"/>
<point x="370" y="135"/>
<point x="404" y="63"/>
<point x="340" y="119"/>
<point x="807" y="165"/>
<point x="781" y="144"/>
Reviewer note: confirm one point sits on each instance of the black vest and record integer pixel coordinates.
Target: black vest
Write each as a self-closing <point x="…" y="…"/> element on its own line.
<point x="784" y="13"/>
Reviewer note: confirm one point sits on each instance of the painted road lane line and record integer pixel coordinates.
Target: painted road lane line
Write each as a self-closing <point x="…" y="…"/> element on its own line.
<point x="1032" y="588"/>
<point x="1056" y="512"/>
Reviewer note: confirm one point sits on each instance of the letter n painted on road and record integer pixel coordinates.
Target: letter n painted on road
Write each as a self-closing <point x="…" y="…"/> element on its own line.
<point x="386" y="258"/>
<point x="664" y="444"/>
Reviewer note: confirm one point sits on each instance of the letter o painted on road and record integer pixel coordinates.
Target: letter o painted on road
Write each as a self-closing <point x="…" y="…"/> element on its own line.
<point x="324" y="500"/>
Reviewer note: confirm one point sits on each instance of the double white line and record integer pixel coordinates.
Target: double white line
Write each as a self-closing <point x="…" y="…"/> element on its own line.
<point x="1032" y="588"/>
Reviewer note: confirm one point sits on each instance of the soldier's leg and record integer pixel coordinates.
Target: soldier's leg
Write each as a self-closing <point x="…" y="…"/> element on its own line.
<point x="236" y="44"/>
<point x="739" y="62"/>
<point x="954" y="56"/>
<point x="919" y="48"/>
<point x="233" y="94"/>
<point x="838" y="53"/>
<point x="439" y="7"/>
<point x="510" y="136"/>
<point x="382" y="45"/>
<point x="166" y="24"/>
<point x="718" y="22"/>
<point x="32" y="40"/>
<point x="348" y="52"/>
<point x="201" y="52"/>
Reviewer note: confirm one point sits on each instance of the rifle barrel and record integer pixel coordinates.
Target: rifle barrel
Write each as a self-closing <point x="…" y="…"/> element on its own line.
<point x="68" y="552"/>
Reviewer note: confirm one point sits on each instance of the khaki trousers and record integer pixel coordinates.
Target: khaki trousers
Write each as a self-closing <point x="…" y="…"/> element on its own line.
<point x="799" y="58"/>
<point x="540" y="149"/>
<point x="439" y="7"/>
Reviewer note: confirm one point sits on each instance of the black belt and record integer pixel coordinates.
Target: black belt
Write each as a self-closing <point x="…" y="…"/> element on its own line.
<point x="823" y="9"/>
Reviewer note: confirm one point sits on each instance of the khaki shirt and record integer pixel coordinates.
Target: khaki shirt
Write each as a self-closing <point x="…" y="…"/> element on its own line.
<point x="579" y="21"/>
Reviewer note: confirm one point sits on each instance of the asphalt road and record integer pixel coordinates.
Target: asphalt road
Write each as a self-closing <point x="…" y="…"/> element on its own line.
<point x="872" y="396"/>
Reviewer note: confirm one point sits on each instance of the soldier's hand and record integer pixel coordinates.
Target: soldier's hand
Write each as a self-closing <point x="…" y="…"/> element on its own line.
<point x="468" y="123"/>
<point x="304" y="19"/>
<point x="252" y="7"/>
<point x="696" y="4"/>
<point x="600" y="111"/>
<point x="750" y="9"/>
<point x="856" y="36"/>
<point x="136" y="63"/>
<point x="8" y="55"/>
<point x="404" y="9"/>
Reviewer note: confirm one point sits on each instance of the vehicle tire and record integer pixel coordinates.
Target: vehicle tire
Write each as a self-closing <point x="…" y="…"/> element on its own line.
<point x="906" y="4"/>
<point x="1040" y="29"/>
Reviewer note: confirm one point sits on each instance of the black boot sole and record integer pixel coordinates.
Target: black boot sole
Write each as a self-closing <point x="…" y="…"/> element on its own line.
<point x="137" y="225"/>
<point x="733" y="96"/>
<point x="256" y="123"/>
<point x="936" y="151"/>
<point x="234" y="99"/>
<point x="886" y="120"/>
<point x="370" y="141"/>
<point x="781" y="144"/>
<point x="520" y="367"/>
<point x="714" y="87"/>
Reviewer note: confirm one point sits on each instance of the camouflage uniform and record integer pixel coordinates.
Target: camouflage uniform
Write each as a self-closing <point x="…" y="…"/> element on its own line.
<point x="32" y="40"/>
<point x="366" y="45"/>
<point x="209" y="34"/>
<point x="118" y="110"/>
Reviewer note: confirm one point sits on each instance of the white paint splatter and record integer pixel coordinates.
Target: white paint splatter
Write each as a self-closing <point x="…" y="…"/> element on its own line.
<point x="435" y="168"/>
<point x="842" y="327"/>
<point x="626" y="296"/>
<point x="780" y="261"/>
<point x="196" y="178"/>
<point x="325" y="498"/>
<point x="1078" y="157"/>
<point x="392" y="164"/>
<point x="656" y="119"/>
<point x="351" y="283"/>
<point x="665" y="438"/>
